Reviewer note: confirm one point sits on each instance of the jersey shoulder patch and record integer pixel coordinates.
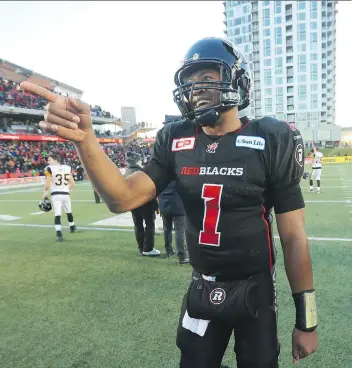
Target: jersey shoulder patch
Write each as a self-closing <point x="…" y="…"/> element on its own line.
<point x="177" y="136"/>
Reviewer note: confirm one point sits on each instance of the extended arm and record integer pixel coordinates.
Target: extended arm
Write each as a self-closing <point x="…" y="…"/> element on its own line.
<point x="119" y="193"/>
<point x="71" y="182"/>
<point x="70" y="119"/>
<point x="47" y="186"/>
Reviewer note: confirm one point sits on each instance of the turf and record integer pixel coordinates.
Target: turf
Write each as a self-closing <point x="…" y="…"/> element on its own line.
<point x="93" y="302"/>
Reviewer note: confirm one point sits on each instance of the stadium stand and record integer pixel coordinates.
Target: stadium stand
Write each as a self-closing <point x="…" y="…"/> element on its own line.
<point x="30" y="158"/>
<point x="16" y="103"/>
<point x="25" y="148"/>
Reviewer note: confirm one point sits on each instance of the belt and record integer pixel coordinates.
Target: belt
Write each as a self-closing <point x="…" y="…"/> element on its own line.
<point x="197" y="275"/>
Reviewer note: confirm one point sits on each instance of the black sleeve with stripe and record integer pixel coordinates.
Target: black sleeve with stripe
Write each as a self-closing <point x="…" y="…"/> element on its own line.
<point x="286" y="167"/>
<point x="159" y="168"/>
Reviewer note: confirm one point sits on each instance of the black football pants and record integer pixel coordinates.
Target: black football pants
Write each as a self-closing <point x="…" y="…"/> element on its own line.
<point x="97" y="197"/>
<point x="144" y="237"/>
<point x="256" y="343"/>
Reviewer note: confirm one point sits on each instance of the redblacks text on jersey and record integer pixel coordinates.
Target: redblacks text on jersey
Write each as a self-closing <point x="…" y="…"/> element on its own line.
<point x="230" y="189"/>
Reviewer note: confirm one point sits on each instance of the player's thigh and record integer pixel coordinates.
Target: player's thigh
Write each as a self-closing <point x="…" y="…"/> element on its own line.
<point x="257" y="344"/>
<point x="202" y="351"/>
<point x="57" y="204"/>
<point x="66" y="202"/>
<point x="318" y="174"/>
<point x="314" y="174"/>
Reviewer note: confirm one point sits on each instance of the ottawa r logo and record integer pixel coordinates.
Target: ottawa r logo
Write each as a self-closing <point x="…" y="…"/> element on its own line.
<point x="217" y="296"/>
<point x="299" y="155"/>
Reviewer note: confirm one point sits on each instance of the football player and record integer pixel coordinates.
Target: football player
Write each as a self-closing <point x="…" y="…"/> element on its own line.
<point x="229" y="190"/>
<point x="316" y="169"/>
<point x="59" y="182"/>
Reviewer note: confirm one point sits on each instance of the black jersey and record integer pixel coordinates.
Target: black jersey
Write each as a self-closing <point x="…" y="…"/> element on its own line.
<point x="229" y="185"/>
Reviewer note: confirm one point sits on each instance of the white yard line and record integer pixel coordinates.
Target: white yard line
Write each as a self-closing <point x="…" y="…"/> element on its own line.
<point x="132" y="230"/>
<point x="317" y="201"/>
<point x="37" y="200"/>
<point x="92" y="201"/>
<point x="9" y="218"/>
<point x="339" y="179"/>
<point x="333" y="187"/>
<point x="40" y="190"/>
<point x="22" y="189"/>
<point x="330" y="176"/>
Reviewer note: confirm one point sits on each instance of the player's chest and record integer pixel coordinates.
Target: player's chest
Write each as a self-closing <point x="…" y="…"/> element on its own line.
<point x="233" y="162"/>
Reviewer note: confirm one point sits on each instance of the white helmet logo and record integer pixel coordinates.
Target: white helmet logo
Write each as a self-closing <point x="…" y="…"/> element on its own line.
<point x="195" y="56"/>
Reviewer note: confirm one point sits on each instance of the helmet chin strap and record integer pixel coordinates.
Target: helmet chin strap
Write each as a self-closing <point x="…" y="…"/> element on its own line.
<point x="212" y="116"/>
<point x="209" y="118"/>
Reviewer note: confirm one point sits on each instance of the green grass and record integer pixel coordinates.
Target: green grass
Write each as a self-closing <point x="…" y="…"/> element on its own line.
<point x="92" y="302"/>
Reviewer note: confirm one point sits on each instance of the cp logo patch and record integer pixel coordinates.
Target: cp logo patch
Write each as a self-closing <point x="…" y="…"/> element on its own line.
<point x="183" y="144"/>
<point x="217" y="296"/>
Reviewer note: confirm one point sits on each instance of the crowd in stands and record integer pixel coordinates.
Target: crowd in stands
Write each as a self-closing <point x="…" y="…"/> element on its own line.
<point x="32" y="157"/>
<point x="97" y="111"/>
<point x="12" y="95"/>
<point x="32" y="129"/>
<point x="28" y="127"/>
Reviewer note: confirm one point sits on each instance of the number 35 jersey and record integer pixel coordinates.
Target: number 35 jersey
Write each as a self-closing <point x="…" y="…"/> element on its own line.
<point x="60" y="177"/>
<point x="229" y="185"/>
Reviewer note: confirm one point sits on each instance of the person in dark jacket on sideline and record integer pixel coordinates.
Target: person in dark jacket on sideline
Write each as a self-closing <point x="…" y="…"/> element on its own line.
<point x="146" y="213"/>
<point x="172" y="211"/>
<point x="97" y="197"/>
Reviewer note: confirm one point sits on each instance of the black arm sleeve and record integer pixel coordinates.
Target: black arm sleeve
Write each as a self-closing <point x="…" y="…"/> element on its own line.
<point x="287" y="167"/>
<point x="159" y="169"/>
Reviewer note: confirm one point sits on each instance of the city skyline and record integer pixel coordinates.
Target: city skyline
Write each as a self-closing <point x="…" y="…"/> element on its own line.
<point x="129" y="58"/>
<point x="291" y="48"/>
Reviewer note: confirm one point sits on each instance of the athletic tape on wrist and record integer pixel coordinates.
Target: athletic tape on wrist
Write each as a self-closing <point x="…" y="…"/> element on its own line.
<point x="306" y="310"/>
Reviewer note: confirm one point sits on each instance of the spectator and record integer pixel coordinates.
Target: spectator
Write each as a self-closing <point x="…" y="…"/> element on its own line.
<point x="80" y="172"/>
<point x="173" y="212"/>
<point x="145" y="213"/>
<point x="97" y="197"/>
<point x="12" y="95"/>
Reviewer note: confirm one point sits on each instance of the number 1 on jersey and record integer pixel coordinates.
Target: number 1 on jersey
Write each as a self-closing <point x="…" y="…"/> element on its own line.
<point x="211" y="193"/>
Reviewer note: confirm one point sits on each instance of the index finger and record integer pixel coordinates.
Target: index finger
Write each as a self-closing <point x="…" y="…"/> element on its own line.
<point x="38" y="90"/>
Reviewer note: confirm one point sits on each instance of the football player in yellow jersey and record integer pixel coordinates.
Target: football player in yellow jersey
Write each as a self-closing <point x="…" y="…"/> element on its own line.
<point x="59" y="182"/>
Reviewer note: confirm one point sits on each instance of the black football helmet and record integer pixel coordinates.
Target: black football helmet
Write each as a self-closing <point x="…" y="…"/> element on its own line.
<point x="45" y="205"/>
<point x="234" y="84"/>
<point x="305" y="175"/>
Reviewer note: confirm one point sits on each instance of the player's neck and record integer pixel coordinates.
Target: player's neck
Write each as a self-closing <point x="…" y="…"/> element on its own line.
<point x="229" y="122"/>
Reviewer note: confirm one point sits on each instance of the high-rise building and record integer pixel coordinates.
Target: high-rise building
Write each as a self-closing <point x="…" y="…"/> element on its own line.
<point x="128" y="117"/>
<point x="291" y="46"/>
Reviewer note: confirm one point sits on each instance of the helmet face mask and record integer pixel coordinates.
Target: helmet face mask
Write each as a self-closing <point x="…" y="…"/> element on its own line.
<point x="231" y="89"/>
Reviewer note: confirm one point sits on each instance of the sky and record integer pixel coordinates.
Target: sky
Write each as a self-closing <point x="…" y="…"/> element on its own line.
<point x="126" y="53"/>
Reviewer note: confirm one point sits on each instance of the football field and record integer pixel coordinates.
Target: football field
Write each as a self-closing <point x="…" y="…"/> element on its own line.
<point x="92" y="302"/>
